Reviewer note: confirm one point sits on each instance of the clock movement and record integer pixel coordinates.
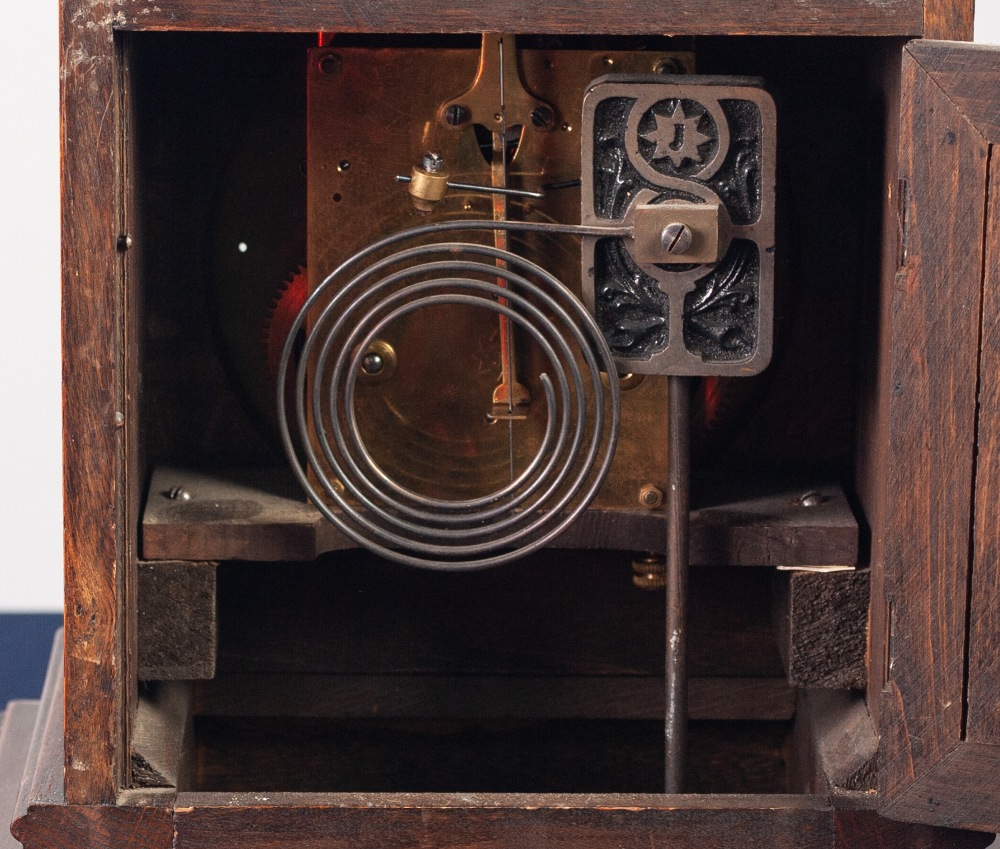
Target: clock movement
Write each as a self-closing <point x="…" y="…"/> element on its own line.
<point x="491" y="425"/>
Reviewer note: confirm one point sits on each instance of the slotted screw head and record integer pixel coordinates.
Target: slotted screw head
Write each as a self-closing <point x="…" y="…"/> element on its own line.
<point x="676" y="238"/>
<point x="433" y="162"/>
<point x="456" y="115"/>
<point x="542" y="117"/>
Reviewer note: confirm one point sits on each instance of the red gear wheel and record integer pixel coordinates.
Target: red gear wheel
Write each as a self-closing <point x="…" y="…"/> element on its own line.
<point x="287" y="303"/>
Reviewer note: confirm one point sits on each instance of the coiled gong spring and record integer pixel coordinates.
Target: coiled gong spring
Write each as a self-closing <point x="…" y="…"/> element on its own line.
<point x="323" y="358"/>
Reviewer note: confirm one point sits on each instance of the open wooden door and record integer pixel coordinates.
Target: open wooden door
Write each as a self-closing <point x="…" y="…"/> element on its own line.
<point x="935" y="645"/>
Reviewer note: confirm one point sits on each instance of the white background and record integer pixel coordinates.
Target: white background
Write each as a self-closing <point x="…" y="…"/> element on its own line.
<point x="30" y="440"/>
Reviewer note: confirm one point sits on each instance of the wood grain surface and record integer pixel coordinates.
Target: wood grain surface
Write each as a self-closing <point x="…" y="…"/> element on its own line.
<point x="247" y="514"/>
<point x="92" y="405"/>
<point x="261" y="820"/>
<point x="969" y="75"/>
<point x="862" y="829"/>
<point x="948" y="19"/>
<point x="821" y="622"/>
<point x="930" y="459"/>
<point x="43" y="817"/>
<point x="97" y="827"/>
<point x="874" y="392"/>
<point x="983" y="711"/>
<point x="177" y="629"/>
<point x="627" y="822"/>
<point x="394" y="620"/>
<point x="685" y="17"/>
<point x="922" y="530"/>
<point x="836" y="746"/>
<point x="485" y="697"/>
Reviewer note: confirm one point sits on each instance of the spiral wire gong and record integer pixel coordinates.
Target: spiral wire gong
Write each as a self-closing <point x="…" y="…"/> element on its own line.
<point x="349" y="310"/>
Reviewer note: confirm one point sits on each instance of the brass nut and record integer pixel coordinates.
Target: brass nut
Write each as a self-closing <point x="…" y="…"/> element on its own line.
<point x="427" y="187"/>
<point x="649" y="572"/>
<point x="650" y="496"/>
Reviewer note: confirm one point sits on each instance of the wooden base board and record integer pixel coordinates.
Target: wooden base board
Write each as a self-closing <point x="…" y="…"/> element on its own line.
<point x="164" y="819"/>
<point x="245" y="514"/>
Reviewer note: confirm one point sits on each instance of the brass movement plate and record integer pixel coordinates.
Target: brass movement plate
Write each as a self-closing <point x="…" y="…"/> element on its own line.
<point x="373" y="113"/>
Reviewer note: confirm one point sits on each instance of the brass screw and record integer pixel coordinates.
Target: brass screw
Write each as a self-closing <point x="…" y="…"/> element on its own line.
<point x="542" y="117"/>
<point x="649" y="572"/>
<point x="456" y="115"/>
<point x="330" y="63"/>
<point x="650" y="496"/>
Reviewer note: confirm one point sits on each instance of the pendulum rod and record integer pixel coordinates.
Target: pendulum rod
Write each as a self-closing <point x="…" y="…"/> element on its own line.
<point x="510" y="394"/>
<point x="678" y="502"/>
<point x="498" y="174"/>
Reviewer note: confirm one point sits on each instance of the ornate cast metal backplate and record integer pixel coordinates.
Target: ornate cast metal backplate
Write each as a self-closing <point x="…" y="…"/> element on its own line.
<point x="680" y="143"/>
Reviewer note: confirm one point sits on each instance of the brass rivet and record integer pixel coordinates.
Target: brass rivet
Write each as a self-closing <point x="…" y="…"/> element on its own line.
<point x="378" y="363"/>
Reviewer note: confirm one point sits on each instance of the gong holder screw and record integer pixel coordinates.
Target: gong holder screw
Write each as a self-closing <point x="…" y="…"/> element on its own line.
<point x="676" y="238"/>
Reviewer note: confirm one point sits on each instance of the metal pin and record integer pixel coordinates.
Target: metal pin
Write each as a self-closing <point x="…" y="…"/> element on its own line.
<point x="488" y="190"/>
<point x="562" y="184"/>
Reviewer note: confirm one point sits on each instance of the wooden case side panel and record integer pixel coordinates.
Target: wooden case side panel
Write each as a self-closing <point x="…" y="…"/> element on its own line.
<point x="934" y="329"/>
<point x="92" y="391"/>
<point x="983" y="708"/>
<point x="873" y="397"/>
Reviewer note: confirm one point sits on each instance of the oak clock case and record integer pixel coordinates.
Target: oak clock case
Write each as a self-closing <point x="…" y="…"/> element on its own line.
<point x="333" y="146"/>
<point x="273" y="678"/>
<point x="310" y="141"/>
